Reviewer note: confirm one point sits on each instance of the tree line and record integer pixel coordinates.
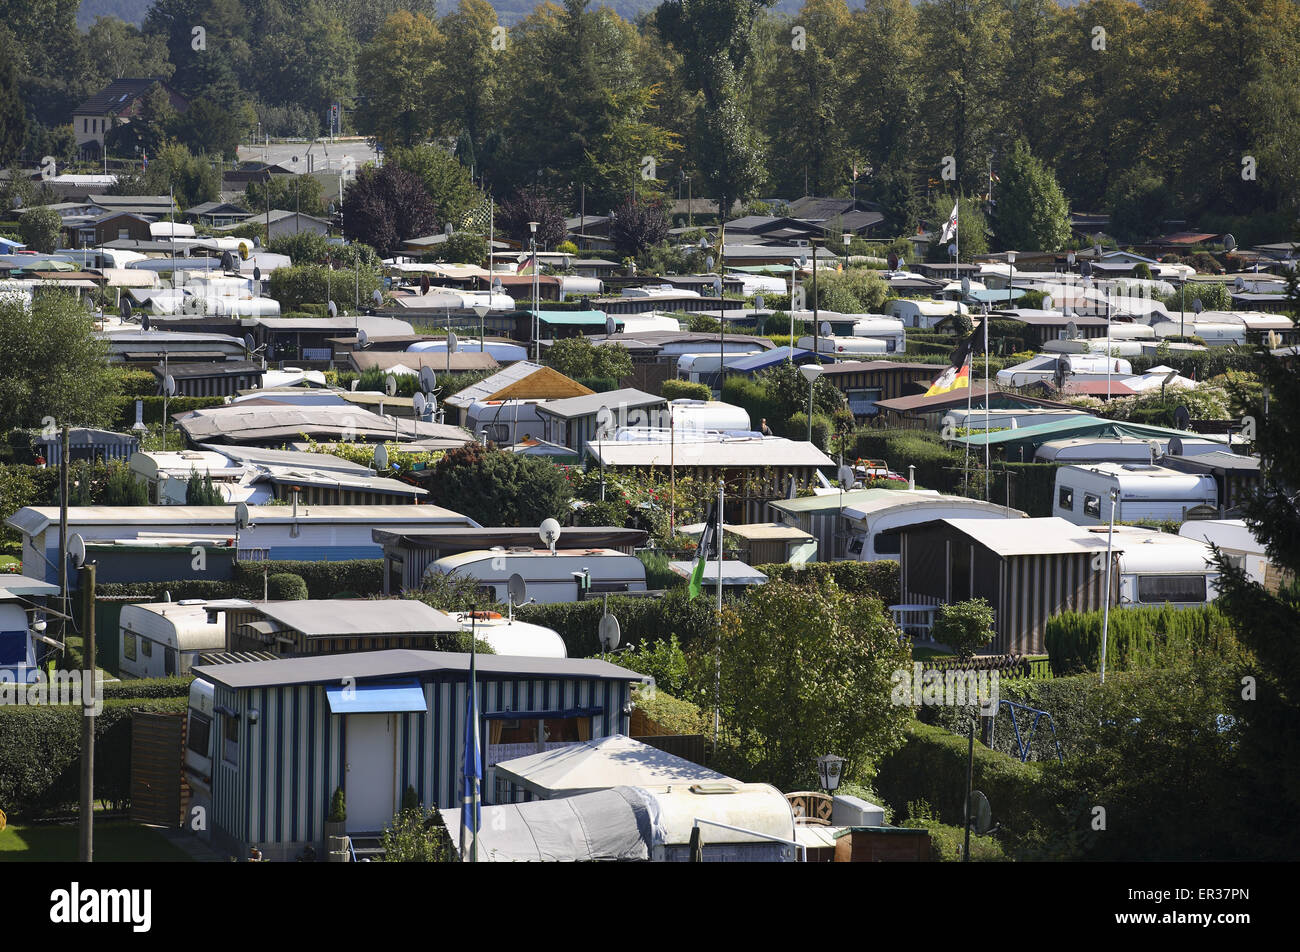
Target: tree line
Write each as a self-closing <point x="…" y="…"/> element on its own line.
<point x="1171" y="109"/>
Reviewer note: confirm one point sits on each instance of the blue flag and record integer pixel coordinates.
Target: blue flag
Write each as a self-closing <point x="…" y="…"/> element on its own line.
<point x="471" y="805"/>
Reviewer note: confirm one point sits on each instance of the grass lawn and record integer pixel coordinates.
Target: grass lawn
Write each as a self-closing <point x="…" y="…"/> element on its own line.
<point x="115" y="841"/>
<point x="922" y="653"/>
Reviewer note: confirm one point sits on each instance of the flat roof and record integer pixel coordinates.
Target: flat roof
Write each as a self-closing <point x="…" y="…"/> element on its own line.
<point x="367" y="617"/>
<point x="818" y="503"/>
<point x="590" y="536"/>
<point x="589" y="405"/>
<point x="35" y="519"/>
<point x="748" y="452"/>
<point x="362" y="665"/>
<point x="1045" y="536"/>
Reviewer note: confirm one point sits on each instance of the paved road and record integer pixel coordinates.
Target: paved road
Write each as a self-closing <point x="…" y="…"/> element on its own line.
<point x="323" y="156"/>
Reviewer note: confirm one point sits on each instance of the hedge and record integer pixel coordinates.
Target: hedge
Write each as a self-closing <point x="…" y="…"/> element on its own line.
<point x="178" y="589"/>
<point x="356" y="577"/>
<point x="641" y="619"/>
<point x="937" y="467"/>
<point x="879" y="579"/>
<point x="1200" y="364"/>
<point x="684" y="389"/>
<point x="1138" y="638"/>
<point x="153" y="408"/>
<point x="178" y="686"/>
<point x="931" y="766"/>
<point x="40" y="753"/>
<point x="285" y="587"/>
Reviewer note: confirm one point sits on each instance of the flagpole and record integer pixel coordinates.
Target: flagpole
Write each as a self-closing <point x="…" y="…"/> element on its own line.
<point x="986" y="403"/>
<point x="717" y="658"/>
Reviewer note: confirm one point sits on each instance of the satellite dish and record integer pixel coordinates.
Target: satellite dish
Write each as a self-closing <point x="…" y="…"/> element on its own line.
<point x="496" y="285"/>
<point x="1062" y="369"/>
<point x="1155" y="449"/>
<point x="1197" y="306"/>
<point x="390" y="385"/>
<point x="424" y="284"/>
<point x="825" y="329"/>
<point x="549" y="533"/>
<point x="227" y="261"/>
<point x="758" y="302"/>
<point x="333" y="309"/>
<point x="603" y="420"/>
<point x="257" y="273"/>
<point x="610" y="327"/>
<point x="708" y="263"/>
<point x="167" y="596"/>
<point x="169" y="385"/>
<point x="377" y="296"/>
<point x="845" y="476"/>
<point x="381" y="458"/>
<point x="1182" y="418"/>
<point x="77" y="550"/>
<point x="1239" y="284"/>
<point x="126" y="309"/>
<point x="249" y="344"/>
<point x="257" y="242"/>
<point x="452" y="343"/>
<point x="980" y="813"/>
<point x="144" y="322"/>
<point x="610" y="633"/>
<point x="418" y="403"/>
<point x="517" y="589"/>
<point x="1071" y="330"/>
<point x="952" y="251"/>
<point x="428" y="379"/>
<point x="241" y="516"/>
<point x="965" y="286"/>
<point x="1229" y="243"/>
<point x="447" y="229"/>
<point x="1175" y="446"/>
<point x="1085" y="269"/>
<point x="1047" y="302"/>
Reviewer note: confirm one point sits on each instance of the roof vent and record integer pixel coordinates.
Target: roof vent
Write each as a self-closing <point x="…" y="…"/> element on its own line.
<point x="1141" y="467"/>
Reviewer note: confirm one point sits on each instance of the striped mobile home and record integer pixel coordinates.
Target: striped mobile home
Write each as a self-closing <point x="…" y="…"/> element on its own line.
<point x="290" y="732"/>
<point x="1029" y="570"/>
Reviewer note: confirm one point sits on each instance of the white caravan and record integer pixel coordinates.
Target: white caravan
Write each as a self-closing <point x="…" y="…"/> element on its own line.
<point x="550" y="577"/>
<point x="924" y="315"/>
<point x="510" y="636"/>
<point x="1118" y="449"/>
<point x="1145" y="491"/>
<point x="1080" y="366"/>
<point x="506" y="422"/>
<point x="849" y="347"/>
<point x="875" y="523"/>
<point x="1159" y="568"/>
<point x="200" y="739"/>
<point x="163" y="639"/>
<point x="1236" y="541"/>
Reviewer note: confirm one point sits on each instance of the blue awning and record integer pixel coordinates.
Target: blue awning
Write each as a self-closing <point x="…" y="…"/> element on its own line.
<point x="752" y="363"/>
<point x="385" y="697"/>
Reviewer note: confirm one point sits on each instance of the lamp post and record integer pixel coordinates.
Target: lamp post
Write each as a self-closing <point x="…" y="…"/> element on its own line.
<point x="1011" y="275"/>
<point x="537" y="320"/>
<point x="829" y="770"/>
<point x="848" y="239"/>
<point x="816" y="327"/>
<point x="811" y="372"/>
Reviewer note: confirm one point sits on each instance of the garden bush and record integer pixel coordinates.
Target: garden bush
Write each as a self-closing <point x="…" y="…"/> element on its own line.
<point x="684" y="389"/>
<point x="350" y="577"/>
<point x="641" y="619"/>
<point x="1138" y="638"/>
<point x="879" y="579"/>
<point x="285" y="586"/>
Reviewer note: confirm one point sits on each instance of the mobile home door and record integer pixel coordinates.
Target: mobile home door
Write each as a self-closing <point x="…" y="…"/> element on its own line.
<point x="371" y="772"/>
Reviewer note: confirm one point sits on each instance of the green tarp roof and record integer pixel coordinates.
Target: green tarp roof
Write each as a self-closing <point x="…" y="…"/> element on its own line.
<point x="1078" y="427"/>
<point x="573" y="317"/>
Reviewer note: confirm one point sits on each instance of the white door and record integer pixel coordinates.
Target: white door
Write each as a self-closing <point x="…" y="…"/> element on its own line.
<point x="371" y="768"/>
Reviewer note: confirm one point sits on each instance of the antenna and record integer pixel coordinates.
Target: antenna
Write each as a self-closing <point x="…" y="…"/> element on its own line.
<point x="516" y="592"/>
<point x="428" y="379"/>
<point x="610" y="632"/>
<point x="169" y="385"/>
<point x="241" y="516"/>
<point x="77" y="550"/>
<point x="418" y="403"/>
<point x="550" y="533"/>
<point x="390" y="385"/>
<point x="825" y="329"/>
<point x="381" y="458"/>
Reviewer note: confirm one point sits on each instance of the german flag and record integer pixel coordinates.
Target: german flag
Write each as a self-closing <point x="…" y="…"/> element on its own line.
<point x="957" y="376"/>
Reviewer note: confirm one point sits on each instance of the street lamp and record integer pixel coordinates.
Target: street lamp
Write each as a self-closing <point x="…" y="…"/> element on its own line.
<point x="1011" y="274"/>
<point x="829" y="770"/>
<point x="1105" y="616"/>
<point x="811" y="372"/>
<point x="537" y="320"/>
<point x="848" y="239"/>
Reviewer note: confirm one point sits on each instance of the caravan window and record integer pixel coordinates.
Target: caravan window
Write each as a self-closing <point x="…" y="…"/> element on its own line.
<point x="1158" y="589"/>
<point x="128" y="645"/>
<point x="200" y="733"/>
<point x="1065" y="499"/>
<point x="1092" y="505"/>
<point x="13" y="648"/>
<point x="888" y="543"/>
<point x="146" y="647"/>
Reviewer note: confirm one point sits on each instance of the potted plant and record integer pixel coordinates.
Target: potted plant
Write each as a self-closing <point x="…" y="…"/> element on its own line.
<point x="338" y="815"/>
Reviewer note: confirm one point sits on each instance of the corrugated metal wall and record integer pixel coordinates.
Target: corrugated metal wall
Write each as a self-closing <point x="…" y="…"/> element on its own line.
<point x="292" y="759"/>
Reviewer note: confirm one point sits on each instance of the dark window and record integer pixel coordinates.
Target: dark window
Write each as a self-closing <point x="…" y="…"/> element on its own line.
<point x="13" y="647"/>
<point x="230" y="749"/>
<point x="128" y="645"/>
<point x="1092" y="506"/>
<point x="888" y="543"/>
<point x="200" y="734"/>
<point x="1065" y="498"/>
<point x="1157" y="589"/>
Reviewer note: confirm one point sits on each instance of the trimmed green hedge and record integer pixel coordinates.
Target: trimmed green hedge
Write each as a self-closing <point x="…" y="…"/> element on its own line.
<point x="178" y="686"/>
<point x="937" y="467"/>
<point x="40" y="754"/>
<point x="1138" y="638"/>
<point x="358" y="577"/>
<point x="153" y="408"/>
<point x="931" y="766"/>
<point x="181" y="588"/>
<point x="879" y="579"/>
<point x="641" y="619"/>
<point x="684" y="389"/>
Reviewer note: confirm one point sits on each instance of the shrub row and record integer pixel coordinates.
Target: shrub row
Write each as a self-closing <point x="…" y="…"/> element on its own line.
<point x="40" y="753"/>
<point x="361" y="577"/>
<point x="153" y="408"/>
<point x="931" y="766"/>
<point x="879" y="579"/>
<point x="1138" y="638"/>
<point x="937" y="467"/>
<point x="641" y="619"/>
